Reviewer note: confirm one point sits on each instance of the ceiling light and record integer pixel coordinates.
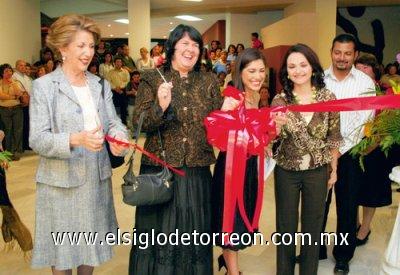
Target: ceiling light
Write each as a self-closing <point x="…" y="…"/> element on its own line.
<point x="171" y="23"/>
<point x="164" y="36"/>
<point x="111" y="35"/>
<point x="127" y="33"/>
<point x="109" y="25"/>
<point x="122" y="20"/>
<point x="188" y="18"/>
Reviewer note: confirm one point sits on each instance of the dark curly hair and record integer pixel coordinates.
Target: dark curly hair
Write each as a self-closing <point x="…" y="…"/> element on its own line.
<point x="177" y="35"/>
<point x="3" y="67"/>
<point x="317" y="78"/>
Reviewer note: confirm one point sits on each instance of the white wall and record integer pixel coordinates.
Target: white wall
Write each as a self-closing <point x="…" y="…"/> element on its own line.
<point x="19" y="30"/>
<point x="390" y="18"/>
<point x="240" y="26"/>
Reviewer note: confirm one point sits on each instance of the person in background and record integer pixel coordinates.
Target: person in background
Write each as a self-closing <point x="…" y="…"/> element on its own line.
<point x="26" y="82"/>
<point x="221" y="80"/>
<point x="156" y="56"/>
<point x="70" y="114"/>
<point x="131" y="92"/>
<point x="11" y="114"/>
<point x="145" y="62"/>
<point x="345" y="81"/>
<point x="213" y="58"/>
<point x="41" y="71"/>
<point x="239" y="48"/>
<point x="128" y="62"/>
<point x="205" y="60"/>
<point x="264" y="96"/>
<point x="100" y="52"/>
<point x="391" y="74"/>
<point x="119" y="78"/>
<point x="376" y="188"/>
<point x="49" y="66"/>
<point x="231" y="53"/>
<point x="256" y="42"/>
<point x="46" y="55"/>
<point x="220" y="66"/>
<point x="177" y="109"/>
<point x="93" y="68"/>
<point x="29" y="71"/>
<point x="107" y="66"/>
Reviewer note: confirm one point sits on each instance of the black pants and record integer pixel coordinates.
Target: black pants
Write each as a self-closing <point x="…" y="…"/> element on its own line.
<point x="121" y="104"/>
<point x="312" y="186"/>
<point x="347" y="188"/>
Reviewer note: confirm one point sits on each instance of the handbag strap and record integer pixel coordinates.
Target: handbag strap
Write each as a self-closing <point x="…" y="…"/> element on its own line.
<point x="137" y="134"/>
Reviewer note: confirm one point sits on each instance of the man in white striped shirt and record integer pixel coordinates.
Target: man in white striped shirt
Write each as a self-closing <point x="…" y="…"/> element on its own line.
<point x="345" y="81"/>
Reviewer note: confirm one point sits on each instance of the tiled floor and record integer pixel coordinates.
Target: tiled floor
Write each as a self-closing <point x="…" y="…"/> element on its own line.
<point x="256" y="260"/>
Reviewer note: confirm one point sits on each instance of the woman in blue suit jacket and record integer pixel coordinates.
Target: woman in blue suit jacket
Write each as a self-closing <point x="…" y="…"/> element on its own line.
<point x="69" y="115"/>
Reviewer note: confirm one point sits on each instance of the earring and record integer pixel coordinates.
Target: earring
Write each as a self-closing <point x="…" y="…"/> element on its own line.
<point x="288" y="77"/>
<point x="313" y="74"/>
<point x="63" y="58"/>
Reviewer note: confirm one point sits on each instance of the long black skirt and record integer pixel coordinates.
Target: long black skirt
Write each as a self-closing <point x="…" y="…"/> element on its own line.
<point x="217" y="198"/>
<point x="187" y="212"/>
<point x="376" y="190"/>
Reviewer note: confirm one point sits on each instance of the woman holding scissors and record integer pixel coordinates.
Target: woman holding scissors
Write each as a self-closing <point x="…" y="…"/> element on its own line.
<point x="175" y="101"/>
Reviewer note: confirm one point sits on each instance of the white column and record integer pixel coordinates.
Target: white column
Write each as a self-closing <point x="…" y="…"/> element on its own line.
<point x="139" y="26"/>
<point x="228" y="29"/>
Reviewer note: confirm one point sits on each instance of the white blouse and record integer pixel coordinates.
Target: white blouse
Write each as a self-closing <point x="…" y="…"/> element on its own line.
<point x="90" y="116"/>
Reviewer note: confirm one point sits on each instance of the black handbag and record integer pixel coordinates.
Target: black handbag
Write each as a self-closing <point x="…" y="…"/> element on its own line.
<point x="147" y="189"/>
<point x="116" y="161"/>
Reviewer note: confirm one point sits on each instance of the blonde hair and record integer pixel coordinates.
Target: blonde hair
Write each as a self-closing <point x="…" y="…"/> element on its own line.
<point x="63" y="30"/>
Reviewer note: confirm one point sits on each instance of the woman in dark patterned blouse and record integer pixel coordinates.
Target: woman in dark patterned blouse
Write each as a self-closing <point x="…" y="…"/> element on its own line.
<point x="177" y="109"/>
<point x="306" y="150"/>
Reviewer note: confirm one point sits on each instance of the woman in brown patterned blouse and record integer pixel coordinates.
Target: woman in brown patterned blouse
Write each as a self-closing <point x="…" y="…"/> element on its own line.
<point x="306" y="150"/>
<point x="177" y="109"/>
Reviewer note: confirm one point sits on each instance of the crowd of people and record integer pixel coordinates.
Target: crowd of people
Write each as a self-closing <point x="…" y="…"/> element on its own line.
<point x="70" y="112"/>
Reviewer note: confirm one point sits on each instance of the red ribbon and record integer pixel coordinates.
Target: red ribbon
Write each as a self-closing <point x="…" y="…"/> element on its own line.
<point x="244" y="132"/>
<point x="150" y="155"/>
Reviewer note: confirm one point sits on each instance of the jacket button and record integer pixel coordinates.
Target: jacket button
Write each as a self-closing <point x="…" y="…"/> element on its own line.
<point x="184" y="139"/>
<point x="185" y="108"/>
<point x="184" y="94"/>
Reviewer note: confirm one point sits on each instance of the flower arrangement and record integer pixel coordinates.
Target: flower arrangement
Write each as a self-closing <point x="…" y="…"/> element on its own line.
<point x="382" y="131"/>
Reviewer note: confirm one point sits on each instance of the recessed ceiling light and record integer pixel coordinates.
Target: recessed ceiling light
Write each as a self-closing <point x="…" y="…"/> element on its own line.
<point x="111" y="35"/>
<point x="122" y="20"/>
<point x="109" y="25"/>
<point x="188" y="18"/>
<point x="171" y="23"/>
<point x="127" y="33"/>
<point x="164" y="36"/>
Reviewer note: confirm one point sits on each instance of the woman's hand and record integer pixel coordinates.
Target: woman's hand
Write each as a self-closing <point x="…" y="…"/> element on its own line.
<point x="268" y="151"/>
<point x="91" y="140"/>
<point x="280" y="120"/>
<point x="231" y="104"/>
<point x="116" y="149"/>
<point x="332" y="179"/>
<point x="164" y="95"/>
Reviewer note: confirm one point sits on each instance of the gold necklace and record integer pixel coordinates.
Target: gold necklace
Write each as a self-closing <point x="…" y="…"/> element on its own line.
<point x="297" y="99"/>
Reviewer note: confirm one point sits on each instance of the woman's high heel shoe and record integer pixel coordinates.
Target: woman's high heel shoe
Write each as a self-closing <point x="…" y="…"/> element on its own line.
<point x="221" y="262"/>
